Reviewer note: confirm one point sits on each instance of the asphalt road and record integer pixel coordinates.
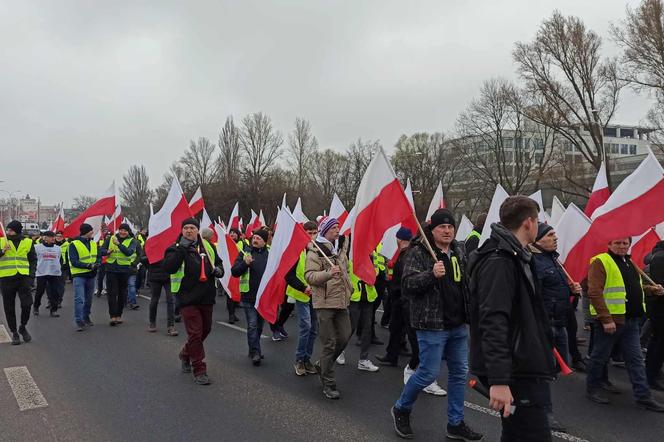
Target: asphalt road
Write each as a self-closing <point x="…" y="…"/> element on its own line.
<point x="123" y="383"/>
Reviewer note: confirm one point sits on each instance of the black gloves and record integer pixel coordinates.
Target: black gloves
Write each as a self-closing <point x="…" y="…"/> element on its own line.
<point x="218" y="272"/>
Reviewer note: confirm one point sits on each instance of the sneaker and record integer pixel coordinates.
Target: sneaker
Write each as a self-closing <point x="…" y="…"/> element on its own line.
<point x="462" y="432"/>
<point x="283" y="332"/>
<point x="310" y="368"/>
<point x="256" y="359"/>
<point x="24" y="334"/>
<point x="610" y="388"/>
<point x="16" y="339"/>
<point x="88" y="323"/>
<point x="579" y="365"/>
<point x="235" y="318"/>
<point x="331" y="392"/>
<point x="366" y="365"/>
<point x="171" y="331"/>
<point x="35" y="312"/>
<point x="341" y="360"/>
<point x="597" y="397"/>
<point x="407" y="373"/>
<point x="276" y="336"/>
<point x="134" y="306"/>
<point x="376" y="341"/>
<point x="202" y="379"/>
<point x="80" y="326"/>
<point x="650" y="404"/>
<point x="385" y="360"/>
<point x="186" y="366"/>
<point x="435" y="389"/>
<point x="401" y="419"/>
<point x="113" y="322"/>
<point x="152" y="328"/>
<point x="53" y="314"/>
<point x="300" y="370"/>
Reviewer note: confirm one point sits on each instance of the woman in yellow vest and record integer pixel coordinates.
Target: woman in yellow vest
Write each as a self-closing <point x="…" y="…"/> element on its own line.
<point x="121" y="250"/>
<point x="18" y="261"/>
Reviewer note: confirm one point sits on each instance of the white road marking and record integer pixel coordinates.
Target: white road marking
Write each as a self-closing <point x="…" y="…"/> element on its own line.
<point x="4" y="336"/>
<point x="235" y="327"/>
<point x="494" y="413"/>
<point x="145" y="297"/>
<point x="25" y="389"/>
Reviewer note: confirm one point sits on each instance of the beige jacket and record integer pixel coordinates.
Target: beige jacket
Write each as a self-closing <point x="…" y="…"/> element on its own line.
<point x="327" y="292"/>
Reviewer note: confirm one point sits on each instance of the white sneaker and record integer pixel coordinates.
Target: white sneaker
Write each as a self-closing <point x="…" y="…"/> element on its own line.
<point x="435" y="389"/>
<point x="341" y="360"/>
<point x="366" y="365"/>
<point x="407" y="373"/>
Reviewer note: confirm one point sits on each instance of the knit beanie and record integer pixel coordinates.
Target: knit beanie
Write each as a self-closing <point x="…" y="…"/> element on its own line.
<point x="326" y="224"/>
<point x="442" y="216"/>
<point x="542" y="229"/>
<point x="85" y="229"/>
<point x="192" y="222"/>
<point x="125" y="226"/>
<point x="404" y="234"/>
<point x="261" y="233"/>
<point x="16" y="226"/>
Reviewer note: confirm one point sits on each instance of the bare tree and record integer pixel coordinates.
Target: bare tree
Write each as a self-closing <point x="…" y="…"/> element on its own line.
<point x="261" y="144"/>
<point x="136" y="194"/>
<point x="562" y="67"/>
<point x="358" y="157"/>
<point x="328" y="169"/>
<point x="302" y="146"/>
<point x="200" y="163"/>
<point x="230" y="156"/>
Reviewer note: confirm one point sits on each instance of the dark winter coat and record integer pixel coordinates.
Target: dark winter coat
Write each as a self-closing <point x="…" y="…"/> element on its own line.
<point x="553" y="284"/>
<point x="256" y="270"/>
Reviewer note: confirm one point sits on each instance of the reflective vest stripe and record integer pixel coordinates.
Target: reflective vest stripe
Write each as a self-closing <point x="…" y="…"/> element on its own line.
<point x="615" y="295"/>
<point x="474" y="234"/>
<point x="85" y="256"/>
<point x="456" y="269"/>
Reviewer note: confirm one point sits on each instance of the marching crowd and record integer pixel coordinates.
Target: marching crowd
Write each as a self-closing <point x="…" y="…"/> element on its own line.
<point x="499" y="310"/>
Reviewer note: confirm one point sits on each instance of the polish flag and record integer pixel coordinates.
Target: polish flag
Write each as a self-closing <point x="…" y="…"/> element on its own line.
<point x="298" y="214"/>
<point x="493" y="215"/>
<point x="3" y="234"/>
<point x="113" y="222"/>
<point x="261" y="218"/>
<point x="571" y="231"/>
<point x="234" y="221"/>
<point x="290" y="239"/>
<point x="557" y="211"/>
<point x="197" y="204"/>
<point x="437" y="202"/>
<point x="228" y="251"/>
<point x="389" y="241"/>
<point x="206" y="221"/>
<point x="94" y="214"/>
<point x="337" y="210"/>
<point x="165" y="226"/>
<point x="131" y="225"/>
<point x="59" y="222"/>
<point x="600" y="192"/>
<point x="464" y="229"/>
<point x="642" y="245"/>
<point x="380" y="203"/>
<point x="254" y="224"/>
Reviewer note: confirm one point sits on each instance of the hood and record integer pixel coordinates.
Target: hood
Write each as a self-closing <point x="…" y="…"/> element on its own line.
<point x="502" y="241"/>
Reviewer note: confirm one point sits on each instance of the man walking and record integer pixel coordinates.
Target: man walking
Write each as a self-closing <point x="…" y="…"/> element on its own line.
<point x="435" y="289"/>
<point x="121" y="249"/>
<point x="330" y="294"/>
<point x="655" y="355"/>
<point x="617" y="306"/>
<point x="84" y="260"/>
<point x="49" y="274"/>
<point x="17" y="270"/>
<point x="193" y="266"/>
<point x="511" y="344"/>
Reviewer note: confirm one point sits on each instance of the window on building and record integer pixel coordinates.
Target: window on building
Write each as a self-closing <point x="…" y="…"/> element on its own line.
<point x="538" y="158"/>
<point x="508" y="143"/>
<point x="538" y="144"/>
<point x="632" y="149"/>
<point x="624" y="149"/>
<point x="626" y="133"/>
<point x="610" y="132"/>
<point x="614" y="148"/>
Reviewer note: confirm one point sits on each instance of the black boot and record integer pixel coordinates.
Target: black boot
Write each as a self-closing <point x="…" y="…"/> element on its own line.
<point x="26" y="336"/>
<point x="16" y="339"/>
<point x="401" y="420"/>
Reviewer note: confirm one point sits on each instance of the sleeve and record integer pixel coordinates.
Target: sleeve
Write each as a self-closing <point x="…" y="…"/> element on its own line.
<point x="471" y="244"/>
<point x="293" y="281"/>
<point x="596" y="281"/>
<point x="239" y="266"/>
<point x="417" y="276"/>
<point x="73" y="257"/>
<point x="314" y="271"/>
<point x="173" y="259"/>
<point x="32" y="260"/>
<point x="495" y="293"/>
<point x="128" y="251"/>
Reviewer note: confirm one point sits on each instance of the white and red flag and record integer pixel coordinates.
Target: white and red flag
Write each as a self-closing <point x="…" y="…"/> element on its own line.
<point x="59" y="221"/>
<point x="437" y="202"/>
<point x="600" y="192"/>
<point x="206" y="221"/>
<point x="234" y="220"/>
<point x="290" y="239"/>
<point x="557" y="211"/>
<point x="113" y="222"/>
<point x="493" y="215"/>
<point x="571" y="231"/>
<point x="228" y="251"/>
<point x="389" y="241"/>
<point x="464" y="229"/>
<point x="165" y="225"/>
<point x="298" y="214"/>
<point x="261" y="218"/>
<point x="254" y="224"/>
<point x="380" y="204"/>
<point x="348" y="223"/>
<point x="197" y="204"/>
<point x="94" y="214"/>
<point x="337" y="210"/>
<point x="643" y="244"/>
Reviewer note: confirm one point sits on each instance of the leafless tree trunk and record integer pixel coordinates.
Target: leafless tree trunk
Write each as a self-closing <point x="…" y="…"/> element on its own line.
<point x="328" y="170"/>
<point x="303" y="145"/>
<point x="230" y="157"/>
<point x="136" y="195"/>
<point x="200" y="163"/>
<point x="261" y="144"/>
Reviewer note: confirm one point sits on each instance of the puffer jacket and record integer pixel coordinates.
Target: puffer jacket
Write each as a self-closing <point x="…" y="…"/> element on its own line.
<point x="553" y="284"/>
<point x="328" y="291"/>
<point x="510" y="333"/>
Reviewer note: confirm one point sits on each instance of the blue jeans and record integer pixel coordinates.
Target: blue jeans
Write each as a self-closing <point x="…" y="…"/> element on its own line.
<point x="83" y="291"/>
<point x="561" y="342"/>
<point x="254" y="328"/>
<point x="628" y="336"/>
<point x="436" y="345"/>
<point x="131" y="290"/>
<point x="308" y="324"/>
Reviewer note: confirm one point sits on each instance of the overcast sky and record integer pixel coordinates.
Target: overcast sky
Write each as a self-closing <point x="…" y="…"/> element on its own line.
<point x="88" y="88"/>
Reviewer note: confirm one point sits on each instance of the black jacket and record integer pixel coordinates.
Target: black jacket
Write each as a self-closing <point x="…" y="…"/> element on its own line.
<point x="510" y="333"/>
<point x="553" y="284"/>
<point x="255" y="271"/>
<point x="435" y="304"/>
<point x="655" y="304"/>
<point x="192" y="290"/>
<point x="156" y="272"/>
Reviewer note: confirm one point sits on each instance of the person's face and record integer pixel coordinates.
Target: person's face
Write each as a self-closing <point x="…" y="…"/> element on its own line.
<point x="257" y="242"/>
<point x="312" y="233"/>
<point x="620" y="246"/>
<point x="89" y="235"/>
<point x="549" y="242"/>
<point x="123" y="233"/>
<point x="10" y="232"/>
<point x="233" y="236"/>
<point x="48" y="240"/>
<point x="443" y="234"/>
<point x="59" y="237"/>
<point x="402" y="244"/>
<point x="333" y="234"/>
<point x="530" y="226"/>
<point x="190" y="232"/>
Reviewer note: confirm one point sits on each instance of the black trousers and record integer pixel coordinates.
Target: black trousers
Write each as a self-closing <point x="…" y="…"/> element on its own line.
<point x="655" y="355"/>
<point x="529" y="423"/>
<point x="116" y="292"/>
<point x="101" y="273"/>
<point x="230" y="305"/>
<point x="156" y="288"/>
<point x="572" y="329"/>
<point x="54" y="286"/>
<point x="16" y="286"/>
<point x="400" y="324"/>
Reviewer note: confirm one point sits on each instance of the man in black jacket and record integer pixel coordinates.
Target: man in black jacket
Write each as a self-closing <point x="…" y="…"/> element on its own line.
<point x="249" y="266"/>
<point x="194" y="265"/>
<point x="435" y="291"/>
<point x="511" y="344"/>
<point x="655" y="312"/>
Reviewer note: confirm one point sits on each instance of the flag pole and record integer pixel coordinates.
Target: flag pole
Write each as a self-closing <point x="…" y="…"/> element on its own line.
<point x="329" y="261"/>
